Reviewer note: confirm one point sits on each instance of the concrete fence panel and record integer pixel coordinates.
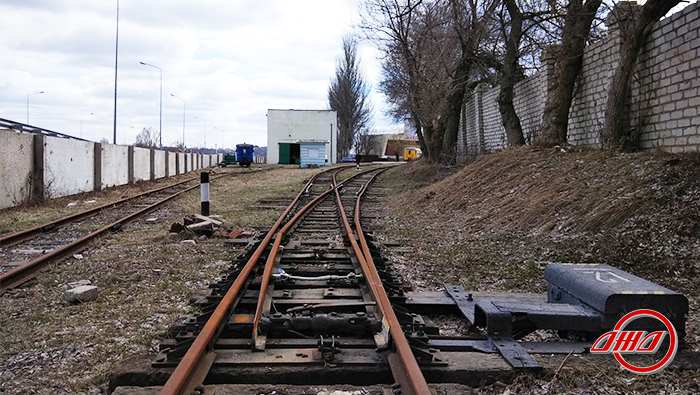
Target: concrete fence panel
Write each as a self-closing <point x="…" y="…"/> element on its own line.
<point x="160" y="163"/>
<point x="142" y="164"/>
<point x="68" y="166"/>
<point x="115" y="165"/>
<point x="172" y="164"/>
<point x="16" y="167"/>
<point x="181" y="163"/>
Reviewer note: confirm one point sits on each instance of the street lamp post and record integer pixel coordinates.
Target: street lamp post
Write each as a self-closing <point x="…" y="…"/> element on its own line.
<point x="160" y="125"/>
<point x="35" y="93"/>
<point x="81" y="123"/>
<point x="184" y="107"/>
<point x="205" y="131"/>
<point x="116" y="58"/>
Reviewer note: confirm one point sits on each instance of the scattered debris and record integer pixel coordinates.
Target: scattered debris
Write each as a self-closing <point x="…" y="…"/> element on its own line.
<point x="204" y="227"/>
<point x="83" y="293"/>
<point x="78" y="256"/>
<point x="176" y="228"/>
<point x="234" y="234"/>
<point x="79" y="283"/>
<point x="188" y="242"/>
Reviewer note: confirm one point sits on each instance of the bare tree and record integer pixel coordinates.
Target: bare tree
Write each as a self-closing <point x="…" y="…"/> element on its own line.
<point x="148" y="138"/>
<point x="527" y="26"/>
<point x="510" y="75"/>
<point x="569" y="58"/>
<point x="104" y="140"/>
<point x="635" y="26"/>
<point x="348" y="96"/>
<point x="366" y="142"/>
<point x="432" y="52"/>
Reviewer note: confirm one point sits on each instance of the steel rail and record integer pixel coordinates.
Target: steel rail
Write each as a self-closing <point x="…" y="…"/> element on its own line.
<point x="410" y="372"/>
<point x="18" y="237"/>
<point x="28" y="270"/>
<point x="190" y="369"/>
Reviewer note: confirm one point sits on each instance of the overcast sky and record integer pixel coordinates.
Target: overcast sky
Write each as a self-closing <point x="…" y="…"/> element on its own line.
<point x="229" y="60"/>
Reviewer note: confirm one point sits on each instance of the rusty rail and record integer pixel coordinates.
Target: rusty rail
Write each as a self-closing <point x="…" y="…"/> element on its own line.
<point x="18" y="237"/>
<point x="25" y="272"/>
<point x="403" y="364"/>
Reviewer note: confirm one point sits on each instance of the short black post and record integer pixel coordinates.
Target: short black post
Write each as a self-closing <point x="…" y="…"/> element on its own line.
<point x="204" y="180"/>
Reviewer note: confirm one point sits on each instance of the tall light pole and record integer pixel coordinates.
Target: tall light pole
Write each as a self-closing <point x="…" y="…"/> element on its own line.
<point x="116" y="56"/>
<point x="205" y="131"/>
<point x="35" y="93"/>
<point x="160" y="126"/>
<point x="184" y="107"/>
<point x="81" y="123"/>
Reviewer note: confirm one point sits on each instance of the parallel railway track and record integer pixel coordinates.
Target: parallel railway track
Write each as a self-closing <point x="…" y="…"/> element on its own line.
<point x="25" y="253"/>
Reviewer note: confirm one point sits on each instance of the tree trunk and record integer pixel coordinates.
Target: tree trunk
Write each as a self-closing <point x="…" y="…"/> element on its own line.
<point x="635" y="28"/>
<point x="569" y="58"/>
<point x="510" y="119"/>
<point x="455" y="100"/>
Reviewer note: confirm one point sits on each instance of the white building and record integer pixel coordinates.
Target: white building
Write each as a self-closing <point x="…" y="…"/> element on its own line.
<point x="286" y="129"/>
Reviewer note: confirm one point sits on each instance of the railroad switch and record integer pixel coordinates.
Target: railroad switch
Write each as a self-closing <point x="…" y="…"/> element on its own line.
<point x="583" y="298"/>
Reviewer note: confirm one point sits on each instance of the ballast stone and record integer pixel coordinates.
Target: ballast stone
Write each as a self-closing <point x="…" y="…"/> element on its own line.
<point x="83" y="293"/>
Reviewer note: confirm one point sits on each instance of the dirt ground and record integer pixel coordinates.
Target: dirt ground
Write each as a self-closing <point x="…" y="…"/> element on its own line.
<point x="500" y="220"/>
<point x="504" y="217"/>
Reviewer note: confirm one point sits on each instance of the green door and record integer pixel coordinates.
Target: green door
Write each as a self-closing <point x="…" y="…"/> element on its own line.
<point x="284" y="153"/>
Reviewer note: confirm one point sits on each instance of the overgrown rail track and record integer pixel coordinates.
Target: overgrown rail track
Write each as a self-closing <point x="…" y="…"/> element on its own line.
<point x="308" y="294"/>
<point x="25" y="253"/>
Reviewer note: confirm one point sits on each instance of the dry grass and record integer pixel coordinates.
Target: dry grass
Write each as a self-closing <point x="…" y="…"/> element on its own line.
<point x="495" y="224"/>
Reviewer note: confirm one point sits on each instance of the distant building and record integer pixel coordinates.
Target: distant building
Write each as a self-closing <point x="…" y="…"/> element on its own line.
<point x="392" y="145"/>
<point x="288" y="130"/>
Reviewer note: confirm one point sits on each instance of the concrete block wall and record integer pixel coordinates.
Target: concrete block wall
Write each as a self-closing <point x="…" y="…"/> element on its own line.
<point x="530" y="96"/>
<point x="665" y="98"/>
<point x="38" y="167"/>
<point x="494" y="136"/>
<point x="587" y="114"/>
<point x="669" y="88"/>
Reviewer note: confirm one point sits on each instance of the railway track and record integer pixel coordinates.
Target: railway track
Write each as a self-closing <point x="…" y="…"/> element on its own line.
<point x="313" y="303"/>
<point x="25" y="253"/>
<point x="308" y="293"/>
